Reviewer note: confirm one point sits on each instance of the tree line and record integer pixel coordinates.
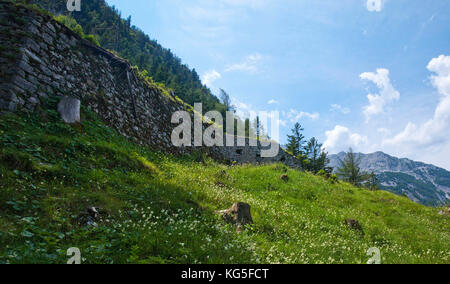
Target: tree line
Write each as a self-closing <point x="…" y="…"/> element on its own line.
<point x="310" y="152"/>
<point x="315" y="159"/>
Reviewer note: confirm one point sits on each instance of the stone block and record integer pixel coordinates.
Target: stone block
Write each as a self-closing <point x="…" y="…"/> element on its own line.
<point x="69" y="109"/>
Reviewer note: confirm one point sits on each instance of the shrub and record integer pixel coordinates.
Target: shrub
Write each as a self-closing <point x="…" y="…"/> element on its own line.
<point x="333" y="179"/>
<point x="72" y="24"/>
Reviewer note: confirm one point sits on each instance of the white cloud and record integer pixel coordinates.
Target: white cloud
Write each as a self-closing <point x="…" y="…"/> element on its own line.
<point x="294" y="115"/>
<point x="441" y="81"/>
<point x="383" y="131"/>
<point x="388" y="94"/>
<point x="242" y="109"/>
<point x="250" y="64"/>
<point x="434" y="131"/>
<point x="341" y="138"/>
<point x="272" y="102"/>
<point x="282" y="122"/>
<point x="209" y="77"/>
<point x="336" y="107"/>
<point x="375" y="5"/>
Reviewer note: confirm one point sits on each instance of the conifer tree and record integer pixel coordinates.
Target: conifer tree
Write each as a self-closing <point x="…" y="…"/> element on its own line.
<point x="316" y="158"/>
<point x="350" y="171"/>
<point x="296" y="141"/>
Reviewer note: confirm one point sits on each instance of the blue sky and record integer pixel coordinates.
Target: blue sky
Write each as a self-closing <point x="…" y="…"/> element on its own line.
<point x="368" y="74"/>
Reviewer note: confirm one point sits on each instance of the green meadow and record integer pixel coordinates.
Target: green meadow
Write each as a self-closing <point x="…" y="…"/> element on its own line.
<point x="158" y="208"/>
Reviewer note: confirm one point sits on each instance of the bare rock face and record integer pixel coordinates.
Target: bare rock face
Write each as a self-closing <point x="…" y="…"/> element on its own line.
<point x="239" y="214"/>
<point x="69" y="109"/>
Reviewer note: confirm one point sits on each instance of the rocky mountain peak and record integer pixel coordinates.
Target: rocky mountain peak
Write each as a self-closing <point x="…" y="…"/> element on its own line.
<point x="423" y="183"/>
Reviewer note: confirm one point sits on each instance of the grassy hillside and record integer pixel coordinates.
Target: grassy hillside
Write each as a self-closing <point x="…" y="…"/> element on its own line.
<point x="160" y="209"/>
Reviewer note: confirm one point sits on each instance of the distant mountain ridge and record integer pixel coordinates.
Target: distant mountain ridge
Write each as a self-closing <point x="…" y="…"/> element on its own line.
<point x="423" y="183"/>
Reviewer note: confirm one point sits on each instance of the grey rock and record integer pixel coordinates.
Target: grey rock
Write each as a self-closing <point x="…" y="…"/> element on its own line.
<point x="55" y="85"/>
<point x="12" y="106"/>
<point x="69" y="109"/>
<point x="32" y="79"/>
<point x="23" y="84"/>
<point x="51" y="27"/>
<point x="34" y="30"/>
<point x="46" y="71"/>
<point x="25" y="67"/>
<point x="31" y="44"/>
<point x="239" y="214"/>
<point x="33" y="100"/>
<point x="354" y="225"/>
<point x="71" y="78"/>
<point x="8" y="105"/>
<point x="43" y="45"/>
<point x="47" y="38"/>
<point x="32" y="56"/>
<point x="57" y="77"/>
<point x="42" y="95"/>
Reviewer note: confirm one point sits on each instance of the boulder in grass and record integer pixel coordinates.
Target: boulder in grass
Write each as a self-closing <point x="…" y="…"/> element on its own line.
<point x="354" y="225"/>
<point x="446" y="211"/>
<point x="239" y="214"/>
<point x="91" y="216"/>
<point x="69" y="109"/>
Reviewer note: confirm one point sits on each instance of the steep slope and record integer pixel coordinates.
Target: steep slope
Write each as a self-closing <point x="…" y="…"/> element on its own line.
<point x="421" y="182"/>
<point x="160" y="209"/>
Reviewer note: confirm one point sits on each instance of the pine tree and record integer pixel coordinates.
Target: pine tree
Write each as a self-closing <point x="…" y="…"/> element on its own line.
<point x="226" y="100"/>
<point x="373" y="182"/>
<point x="315" y="158"/>
<point x="296" y="141"/>
<point x="350" y="171"/>
<point x="259" y="128"/>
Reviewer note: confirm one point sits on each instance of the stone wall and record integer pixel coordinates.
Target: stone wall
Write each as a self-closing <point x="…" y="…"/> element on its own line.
<point x="40" y="57"/>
